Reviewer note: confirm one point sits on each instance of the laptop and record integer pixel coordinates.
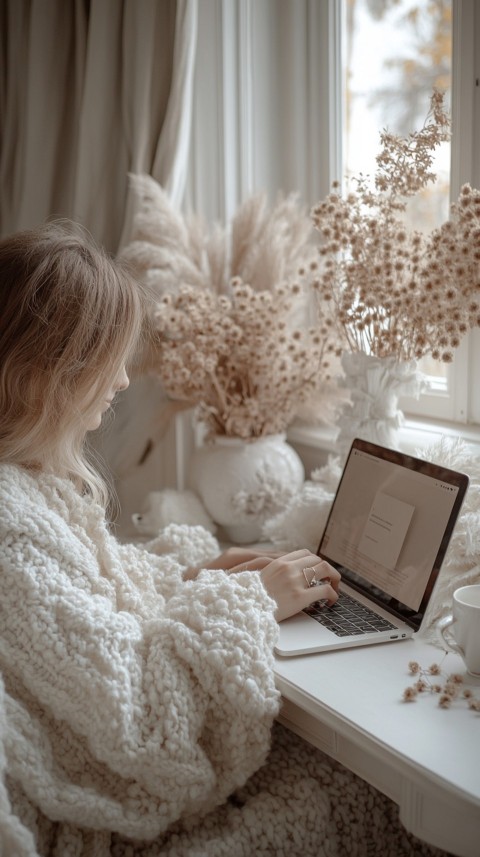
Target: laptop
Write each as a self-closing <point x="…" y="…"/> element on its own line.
<point x="387" y="534"/>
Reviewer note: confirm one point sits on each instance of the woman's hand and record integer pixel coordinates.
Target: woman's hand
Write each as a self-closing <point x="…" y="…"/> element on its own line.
<point x="283" y="576"/>
<point x="284" y="579"/>
<point x="286" y="583"/>
<point x="235" y="559"/>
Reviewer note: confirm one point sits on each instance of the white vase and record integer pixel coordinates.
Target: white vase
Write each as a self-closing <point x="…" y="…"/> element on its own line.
<point x="375" y="384"/>
<point x="242" y="483"/>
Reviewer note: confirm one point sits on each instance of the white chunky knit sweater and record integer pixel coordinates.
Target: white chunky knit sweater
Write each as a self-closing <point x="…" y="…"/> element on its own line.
<point x="133" y="705"/>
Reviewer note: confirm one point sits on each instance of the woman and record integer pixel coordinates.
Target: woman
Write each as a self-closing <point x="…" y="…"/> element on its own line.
<point x="137" y="694"/>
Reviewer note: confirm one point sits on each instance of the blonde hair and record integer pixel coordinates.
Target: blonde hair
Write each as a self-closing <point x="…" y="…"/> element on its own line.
<point x="70" y="319"/>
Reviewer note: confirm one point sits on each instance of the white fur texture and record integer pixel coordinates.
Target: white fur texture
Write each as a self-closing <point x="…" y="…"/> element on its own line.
<point x="301" y="522"/>
<point x="461" y="563"/>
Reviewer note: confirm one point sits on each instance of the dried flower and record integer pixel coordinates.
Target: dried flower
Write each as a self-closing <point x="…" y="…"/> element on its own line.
<point x="448" y="691"/>
<point x="409" y="694"/>
<point x="242" y="359"/>
<point x="228" y="337"/>
<point x="395" y="292"/>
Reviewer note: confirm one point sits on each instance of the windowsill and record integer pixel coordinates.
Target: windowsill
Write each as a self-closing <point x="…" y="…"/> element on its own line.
<point x="416" y="434"/>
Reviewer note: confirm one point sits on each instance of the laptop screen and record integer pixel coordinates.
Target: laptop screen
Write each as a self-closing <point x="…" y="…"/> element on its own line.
<point x="390" y="524"/>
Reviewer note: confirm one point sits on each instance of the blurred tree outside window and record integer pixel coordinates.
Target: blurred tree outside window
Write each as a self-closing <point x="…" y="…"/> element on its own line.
<point x="395" y="52"/>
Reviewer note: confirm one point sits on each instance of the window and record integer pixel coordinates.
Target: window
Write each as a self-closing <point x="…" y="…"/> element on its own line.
<point x="393" y="54"/>
<point x="269" y="108"/>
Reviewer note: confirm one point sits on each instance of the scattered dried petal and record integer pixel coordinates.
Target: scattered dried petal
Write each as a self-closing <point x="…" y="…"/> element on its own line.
<point x="409" y="694"/>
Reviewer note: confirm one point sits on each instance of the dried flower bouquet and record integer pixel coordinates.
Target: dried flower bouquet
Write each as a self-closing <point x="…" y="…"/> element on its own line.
<point x="228" y="337"/>
<point x="242" y="359"/>
<point x="396" y="292"/>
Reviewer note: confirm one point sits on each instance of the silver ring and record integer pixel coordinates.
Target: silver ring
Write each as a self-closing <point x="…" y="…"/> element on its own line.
<point x="313" y="580"/>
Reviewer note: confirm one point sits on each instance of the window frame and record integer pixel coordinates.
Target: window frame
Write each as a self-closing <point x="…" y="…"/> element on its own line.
<point x="461" y="404"/>
<point x="235" y="147"/>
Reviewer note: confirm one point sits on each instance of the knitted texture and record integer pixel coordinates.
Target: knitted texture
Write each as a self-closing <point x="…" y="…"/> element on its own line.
<point x="135" y="708"/>
<point x="133" y="698"/>
<point x="189" y="545"/>
<point x="299" y="804"/>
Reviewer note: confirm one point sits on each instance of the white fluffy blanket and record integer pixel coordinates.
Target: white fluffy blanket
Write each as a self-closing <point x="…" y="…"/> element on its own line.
<point x="301" y="523"/>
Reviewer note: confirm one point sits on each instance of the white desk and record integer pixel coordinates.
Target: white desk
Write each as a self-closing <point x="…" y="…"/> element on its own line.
<point x="425" y="758"/>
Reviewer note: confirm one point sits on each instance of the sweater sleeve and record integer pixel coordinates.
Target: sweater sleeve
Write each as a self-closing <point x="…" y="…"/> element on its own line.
<point x="172" y="708"/>
<point x="190" y="545"/>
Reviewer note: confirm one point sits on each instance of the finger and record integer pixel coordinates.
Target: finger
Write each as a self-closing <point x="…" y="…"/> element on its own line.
<point x="237" y="556"/>
<point x="322" y="593"/>
<point x="294" y="560"/>
<point x="324" y="571"/>
<point x="279" y="562"/>
<point x="256" y="564"/>
<point x="232" y="557"/>
<point x="302" y="553"/>
<point x="251" y="553"/>
<point x="330" y="575"/>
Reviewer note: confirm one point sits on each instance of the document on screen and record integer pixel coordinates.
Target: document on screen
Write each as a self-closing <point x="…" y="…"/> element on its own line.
<point x="385" y="530"/>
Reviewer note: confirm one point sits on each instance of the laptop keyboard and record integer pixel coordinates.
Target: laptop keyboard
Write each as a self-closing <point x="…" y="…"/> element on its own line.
<point x="347" y="617"/>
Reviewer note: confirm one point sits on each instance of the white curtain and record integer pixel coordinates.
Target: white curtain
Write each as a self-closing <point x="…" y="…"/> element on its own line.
<point x="91" y="90"/>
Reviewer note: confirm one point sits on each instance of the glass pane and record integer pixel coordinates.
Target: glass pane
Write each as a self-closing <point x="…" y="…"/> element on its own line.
<point x="395" y="53"/>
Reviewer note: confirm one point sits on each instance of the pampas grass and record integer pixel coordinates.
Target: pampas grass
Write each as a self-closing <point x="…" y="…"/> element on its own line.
<point x="263" y="246"/>
<point x="268" y="245"/>
<point x="166" y="249"/>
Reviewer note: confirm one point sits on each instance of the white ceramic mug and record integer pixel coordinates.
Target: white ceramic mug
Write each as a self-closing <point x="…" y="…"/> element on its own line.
<point x="464" y="625"/>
